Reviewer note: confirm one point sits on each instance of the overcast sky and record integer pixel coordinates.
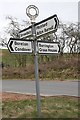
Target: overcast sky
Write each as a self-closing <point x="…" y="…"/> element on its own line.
<point x="66" y="10"/>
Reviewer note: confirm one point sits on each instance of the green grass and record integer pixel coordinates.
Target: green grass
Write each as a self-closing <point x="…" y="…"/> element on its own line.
<point x="51" y="107"/>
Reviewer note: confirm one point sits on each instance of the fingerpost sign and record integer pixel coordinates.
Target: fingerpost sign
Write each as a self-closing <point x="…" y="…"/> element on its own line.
<point x="29" y="45"/>
<point x="19" y="45"/>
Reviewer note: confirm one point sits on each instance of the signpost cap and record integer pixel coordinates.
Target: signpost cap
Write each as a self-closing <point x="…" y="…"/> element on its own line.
<point x="32" y="12"/>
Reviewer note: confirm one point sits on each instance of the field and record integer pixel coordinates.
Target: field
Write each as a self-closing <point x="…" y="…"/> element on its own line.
<point x="56" y="67"/>
<point x="23" y="106"/>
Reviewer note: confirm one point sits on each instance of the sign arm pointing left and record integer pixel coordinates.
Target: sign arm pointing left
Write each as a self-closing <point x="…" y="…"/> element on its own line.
<point x="11" y="46"/>
<point x="16" y="45"/>
<point x="10" y="42"/>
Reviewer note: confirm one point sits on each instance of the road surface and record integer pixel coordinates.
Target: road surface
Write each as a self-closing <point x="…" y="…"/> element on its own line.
<point x="47" y="88"/>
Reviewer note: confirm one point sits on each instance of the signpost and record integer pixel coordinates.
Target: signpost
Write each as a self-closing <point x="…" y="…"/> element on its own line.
<point x="48" y="47"/>
<point x="43" y="27"/>
<point x="26" y="33"/>
<point x="46" y="26"/>
<point x="19" y="46"/>
<point x="33" y="29"/>
<point x="36" y="30"/>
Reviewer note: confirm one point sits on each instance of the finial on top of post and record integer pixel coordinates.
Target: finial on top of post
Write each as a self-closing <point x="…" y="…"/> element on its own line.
<point x="32" y="12"/>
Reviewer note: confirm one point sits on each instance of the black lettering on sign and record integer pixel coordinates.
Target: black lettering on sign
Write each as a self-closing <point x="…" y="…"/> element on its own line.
<point x="40" y="32"/>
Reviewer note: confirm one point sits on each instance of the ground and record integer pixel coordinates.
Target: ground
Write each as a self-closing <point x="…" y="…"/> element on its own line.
<point x="14" y="96"/>
<point x="24" y="106"/>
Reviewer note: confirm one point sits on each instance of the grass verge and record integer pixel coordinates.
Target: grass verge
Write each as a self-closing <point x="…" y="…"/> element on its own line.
<point x="51" y="107"/>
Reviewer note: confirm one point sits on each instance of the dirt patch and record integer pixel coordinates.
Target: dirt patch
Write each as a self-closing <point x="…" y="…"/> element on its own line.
<point x="15" y="96"/>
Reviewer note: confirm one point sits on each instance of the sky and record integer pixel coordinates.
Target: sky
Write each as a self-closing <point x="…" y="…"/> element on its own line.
<point x="66" y="10"/>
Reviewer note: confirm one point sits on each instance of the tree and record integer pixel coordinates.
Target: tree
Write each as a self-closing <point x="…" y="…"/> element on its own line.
<point x="69" y="37"/>
<point x="3" y="42"/>
<point x="62" y="37"/>
<point x="72" y="37"/>
<point x="13" y="30"/>
<point x="13" y="27"/>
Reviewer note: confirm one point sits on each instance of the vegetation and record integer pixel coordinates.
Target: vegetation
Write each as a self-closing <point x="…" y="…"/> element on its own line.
<point x="63" y="66"/>
<point x="54" y="67"/>
<point x="51" y="107"/>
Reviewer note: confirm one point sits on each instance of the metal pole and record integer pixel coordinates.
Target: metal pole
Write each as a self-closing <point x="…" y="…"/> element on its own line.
<point x="36" y="71"/>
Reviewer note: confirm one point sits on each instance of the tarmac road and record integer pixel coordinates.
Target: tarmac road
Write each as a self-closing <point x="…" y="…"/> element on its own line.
<point x="47" y="88"/>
